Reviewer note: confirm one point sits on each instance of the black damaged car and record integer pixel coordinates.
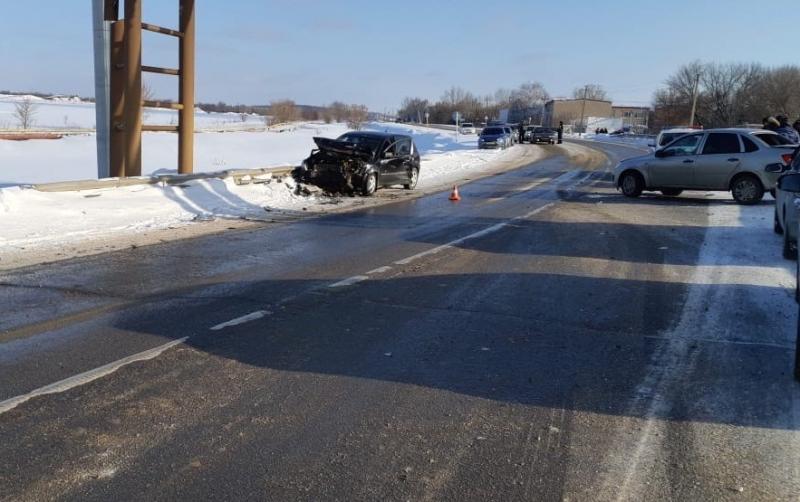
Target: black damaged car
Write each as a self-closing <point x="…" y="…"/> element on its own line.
<point x="361" y="162"/>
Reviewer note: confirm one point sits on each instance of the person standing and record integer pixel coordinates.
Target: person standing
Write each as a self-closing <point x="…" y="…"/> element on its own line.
<point x="521" y="130"/>
<point x="786" y="130"/>
<point x="560" y="132"/>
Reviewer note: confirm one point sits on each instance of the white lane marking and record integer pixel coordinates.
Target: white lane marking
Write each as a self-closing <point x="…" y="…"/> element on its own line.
<point x="349" y="281"/>
<point x="379" y="270"/>
<point x="480" y="233"/>
<point x="88" y="376"/>
<point x="241" y="320"/>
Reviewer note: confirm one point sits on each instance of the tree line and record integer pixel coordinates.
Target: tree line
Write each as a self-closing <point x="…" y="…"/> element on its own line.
<point x="728" y="94"/>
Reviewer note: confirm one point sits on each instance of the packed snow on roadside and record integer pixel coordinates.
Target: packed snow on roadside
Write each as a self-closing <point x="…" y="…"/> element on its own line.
<point x="622" y="139"/>
<point x="34" y="219"/>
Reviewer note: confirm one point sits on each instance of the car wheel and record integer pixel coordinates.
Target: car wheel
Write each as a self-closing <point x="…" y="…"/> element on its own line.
<point x="370" y="184"/>
<point x="789" y="247"/>
<point x="672" y="192"/>
<point x="412" y="180"/>
<point x="774" y="193"/>
<point x="776" y="226"/>
<point x="747" y="190"/>
<point x="631" y="184"/>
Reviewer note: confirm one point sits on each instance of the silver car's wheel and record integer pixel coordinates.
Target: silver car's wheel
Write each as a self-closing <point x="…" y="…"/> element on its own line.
<point x="631" y="184"/>
<point x="747" y="190"/>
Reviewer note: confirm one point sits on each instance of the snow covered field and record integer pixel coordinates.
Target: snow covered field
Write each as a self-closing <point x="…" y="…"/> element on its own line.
<point x="74" y="114"/>
<point x="34" y="220"/>
<point x="637" y="141"/>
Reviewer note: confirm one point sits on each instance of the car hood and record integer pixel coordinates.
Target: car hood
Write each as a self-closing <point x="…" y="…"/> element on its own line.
<point x="343" y="148"/>
<point x="636" y="160"/>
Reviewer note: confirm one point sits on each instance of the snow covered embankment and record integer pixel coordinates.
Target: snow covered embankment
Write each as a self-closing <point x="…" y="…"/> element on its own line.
<point x="34" y="220"/>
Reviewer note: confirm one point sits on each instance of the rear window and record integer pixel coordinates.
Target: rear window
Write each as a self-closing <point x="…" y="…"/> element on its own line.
<point x="773" y="139"/>
<point x="466" y="124"/>
<point x="721" y="143"/>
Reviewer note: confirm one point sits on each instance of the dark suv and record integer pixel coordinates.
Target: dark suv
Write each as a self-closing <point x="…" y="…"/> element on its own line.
<point x="361" y="162"/>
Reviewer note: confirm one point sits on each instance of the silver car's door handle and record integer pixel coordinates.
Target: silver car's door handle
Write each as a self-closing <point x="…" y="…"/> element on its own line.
<point x="688" y="161"/>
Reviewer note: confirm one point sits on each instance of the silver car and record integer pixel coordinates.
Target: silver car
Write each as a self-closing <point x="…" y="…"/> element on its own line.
<point x="787" y="205"/>
<point x="746" y="162"/>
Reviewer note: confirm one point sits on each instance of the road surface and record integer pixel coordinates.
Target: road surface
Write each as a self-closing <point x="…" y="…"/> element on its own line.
<point x="543" y="339"/>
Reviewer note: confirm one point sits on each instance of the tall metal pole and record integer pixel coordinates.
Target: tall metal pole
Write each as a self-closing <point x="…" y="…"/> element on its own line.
<point x="583" y="108"/>
<point x="695" y="92"/>
<point x="118" y="141"/>
<point x="186" y="91"/>
<point x="101" y="85"/>
<point x="133" y="88"/>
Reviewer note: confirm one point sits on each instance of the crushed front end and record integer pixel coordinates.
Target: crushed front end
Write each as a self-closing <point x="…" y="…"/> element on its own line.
<point x="336" y="167"/>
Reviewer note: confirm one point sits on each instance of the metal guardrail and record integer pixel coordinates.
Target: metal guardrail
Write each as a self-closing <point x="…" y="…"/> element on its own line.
<point x="164" y="179"/>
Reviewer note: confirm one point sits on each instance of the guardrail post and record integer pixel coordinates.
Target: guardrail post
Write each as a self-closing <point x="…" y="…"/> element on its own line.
<point x="186" y="88"/>
<point x="133" y="88"/>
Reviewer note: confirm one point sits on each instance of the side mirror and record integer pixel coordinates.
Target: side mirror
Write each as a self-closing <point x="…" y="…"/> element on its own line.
<point x="388" y="155"/>
<point x="775" y="168"/>
<point x="651" y="145"/>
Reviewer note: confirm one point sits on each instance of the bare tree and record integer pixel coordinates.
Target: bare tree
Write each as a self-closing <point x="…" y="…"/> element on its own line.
<point x="590" y="91"/>
<point x="24" y="112"/>
<point x="284" y="111"/>
<point x="356" y="116"/>
<point x="413" y="109"/>
<point x="338" y="111"/>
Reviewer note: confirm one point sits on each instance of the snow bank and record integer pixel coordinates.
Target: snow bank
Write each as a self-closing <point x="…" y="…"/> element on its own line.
<point x="31" y="219"/>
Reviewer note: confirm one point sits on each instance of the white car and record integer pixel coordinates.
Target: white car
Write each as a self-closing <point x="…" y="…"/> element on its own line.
<point x="468" y="128"/>
<point x="745" y="162"/>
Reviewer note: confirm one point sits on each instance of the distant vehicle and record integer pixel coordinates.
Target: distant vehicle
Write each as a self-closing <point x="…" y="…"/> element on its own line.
<point x="361" y="162"/>
<point x="543" y="135"/>
<point x="787" y="205"/>
<point x="494" y="137"/>
<point x="667" y="136"/>
<point x="741" y="161"/>
<point x="468" y="128"/>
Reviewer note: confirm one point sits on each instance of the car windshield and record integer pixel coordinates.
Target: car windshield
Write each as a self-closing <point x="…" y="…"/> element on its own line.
<point x="773" y="139"/>
<point x="372" y="143"/>
<point x="541" y="129"/>
<point x="466" y="124"/>
<point x="492" y="131"/>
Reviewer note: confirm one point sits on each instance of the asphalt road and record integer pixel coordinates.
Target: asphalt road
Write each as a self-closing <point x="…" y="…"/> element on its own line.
<point x="542" y="339"/>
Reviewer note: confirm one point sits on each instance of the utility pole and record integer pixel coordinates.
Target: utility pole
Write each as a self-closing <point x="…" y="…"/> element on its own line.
<point x="695" y="93"/>
<point x="102" y="85"/>
<point x="583" y="108"/>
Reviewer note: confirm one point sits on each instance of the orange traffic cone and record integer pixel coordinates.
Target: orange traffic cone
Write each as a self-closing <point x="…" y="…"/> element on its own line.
<point x="454" y="196"/>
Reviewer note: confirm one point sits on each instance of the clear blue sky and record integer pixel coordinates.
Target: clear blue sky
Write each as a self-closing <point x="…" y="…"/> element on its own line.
<point x="376" y="52"/>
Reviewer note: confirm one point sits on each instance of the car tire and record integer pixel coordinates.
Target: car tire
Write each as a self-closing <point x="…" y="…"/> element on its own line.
<point x="789" y="247"/>
<point x="776" y="226"/>
<point x="774" y="193"/>
<point x="672" y="192"/>
<point x="747" y="190"/>
<point x="413" y="179"/>
<point x="632" y="184"/>
<point x="370" y="185"/>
